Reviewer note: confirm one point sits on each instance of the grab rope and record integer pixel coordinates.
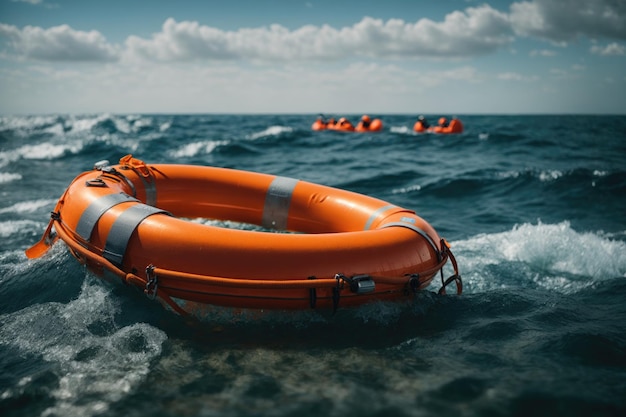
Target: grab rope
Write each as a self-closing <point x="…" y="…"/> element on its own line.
<point x="140" y="167"/>
<point x="136" y="165"/>
<point x="456" y="278"/>
<point x="358" y="284"/>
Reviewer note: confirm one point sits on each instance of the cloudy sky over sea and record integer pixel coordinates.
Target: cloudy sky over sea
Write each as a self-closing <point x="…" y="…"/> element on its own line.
<point x="283" y="56"/>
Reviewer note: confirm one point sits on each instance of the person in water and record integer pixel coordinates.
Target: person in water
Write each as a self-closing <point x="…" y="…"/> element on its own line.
<point x="443" y="122"/>
<point x="365" y="121"/>
<point x="345" y="123"/>
<point x="423" y="121"/>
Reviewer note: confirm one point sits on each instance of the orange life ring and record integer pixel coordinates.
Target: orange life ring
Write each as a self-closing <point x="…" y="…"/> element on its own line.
<point x="129" y="221"/>
<point x="419" y="127"/>
<point x="376" y="125"/>
<point x="342" y="125"/>
<point x="318" y="125"/>
<point x="455" y="126"/>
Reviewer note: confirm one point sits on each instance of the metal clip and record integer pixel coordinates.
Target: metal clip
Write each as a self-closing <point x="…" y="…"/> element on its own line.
<point x="152" y="284"/>
<point x="362" y="284"/>
<point x="101" y="165"/>
<point x="359" y="284"/>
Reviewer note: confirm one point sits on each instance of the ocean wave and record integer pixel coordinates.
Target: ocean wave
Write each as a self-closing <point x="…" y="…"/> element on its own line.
<point x="271" y="131"/>
<point x="41" y="151"/>
<point x="6" y="177"/>
<point x="28" y="206"/>
<point x="196" y="148"/>
<point x="552" y="256"/>
<point x="25" y="125"/>
<point x="72" y="125"/>
<point x="81" y="339"/>
<point x="13" y="227"/>
<point x="403" y="130"/>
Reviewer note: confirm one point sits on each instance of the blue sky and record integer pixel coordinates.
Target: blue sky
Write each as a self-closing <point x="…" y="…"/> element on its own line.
<point x="292" y="56"/>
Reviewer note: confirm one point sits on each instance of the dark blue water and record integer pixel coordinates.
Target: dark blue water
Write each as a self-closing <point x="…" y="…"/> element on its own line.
<point x="534" y="207"/>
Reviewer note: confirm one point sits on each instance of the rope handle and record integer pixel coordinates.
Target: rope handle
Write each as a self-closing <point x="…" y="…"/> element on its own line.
<point x="136" y="165"/>
<point x="456" y="278"/>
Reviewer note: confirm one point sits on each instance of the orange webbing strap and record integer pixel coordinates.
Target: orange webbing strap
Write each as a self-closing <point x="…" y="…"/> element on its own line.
<point x="136" y="165"/>
<point x="456" y="278"/>
<point x="140" y="167"/>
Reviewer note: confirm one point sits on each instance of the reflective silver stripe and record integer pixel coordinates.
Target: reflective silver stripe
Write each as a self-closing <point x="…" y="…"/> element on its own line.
<point x="96" y="209"/>
<point x="150" y="186"/>
<point x="123" y="228"/>
<point x="409" y="224"/>
<point x="277" y="201"/>
<point x="375" y="215"/>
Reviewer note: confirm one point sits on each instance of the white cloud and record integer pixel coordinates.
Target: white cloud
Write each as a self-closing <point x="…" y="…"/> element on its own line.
<point x="514" y="76"/>
<point x="471" y="32"/>
<point x="542" y="52"/>
<point x="476" y="31"/>
<point x="610" y="49"/>
<point x="58" y="43"/>
<point x="562" y="21"/>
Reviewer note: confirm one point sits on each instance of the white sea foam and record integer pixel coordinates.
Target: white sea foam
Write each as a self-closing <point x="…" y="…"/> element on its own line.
<point x="86" y="123"/>
<point x="95" y="369"/>
<point x="26" y="123"/>
<point x="549" y="255"/>
<point x="40" y="151"/>
<point x="13" y="227"/>
<point x="165" y="126"/>
<point x="406" y="190"/>
<point x="9" y="176"/>
<point x="28" y="206"/>
<point x="546" y="176"/>
<point x="403" y="130"/>
<point x="196" y="148"/>
<point x="271" y="131"/>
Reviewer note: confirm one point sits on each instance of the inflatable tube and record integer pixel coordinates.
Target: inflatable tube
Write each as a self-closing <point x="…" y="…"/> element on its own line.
<point x="419" y="127"/>
<point x="376" y="125"/>
<point x="318" y="125"/>
<point x="129" y="221"/>
<point x="455" y="126"/>
<point x="342" y="125"/>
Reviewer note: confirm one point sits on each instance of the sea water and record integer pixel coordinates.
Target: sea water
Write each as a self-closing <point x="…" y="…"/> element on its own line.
<point x="534" y="207"/>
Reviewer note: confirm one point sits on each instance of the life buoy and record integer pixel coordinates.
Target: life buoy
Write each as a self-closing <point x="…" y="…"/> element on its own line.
<point x="131" y="221"/>
<point x="342" y="125"/>
<point x="318" y="125"/>
<point x="455" y="126"/>
<point x="376" y="125"/>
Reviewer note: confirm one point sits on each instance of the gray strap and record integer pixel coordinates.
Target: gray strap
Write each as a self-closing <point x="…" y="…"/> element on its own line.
<point x="277" y="201"/>
<point x="96" y="209"/>
<point x="409" y="223"/>
<point x="149" y="186"/>
<point x="123" y="228"/>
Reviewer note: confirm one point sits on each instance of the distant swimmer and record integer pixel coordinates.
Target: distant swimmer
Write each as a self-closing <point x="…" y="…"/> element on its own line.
<point x="345" y="123"/>
<point x="365" y="121"/>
